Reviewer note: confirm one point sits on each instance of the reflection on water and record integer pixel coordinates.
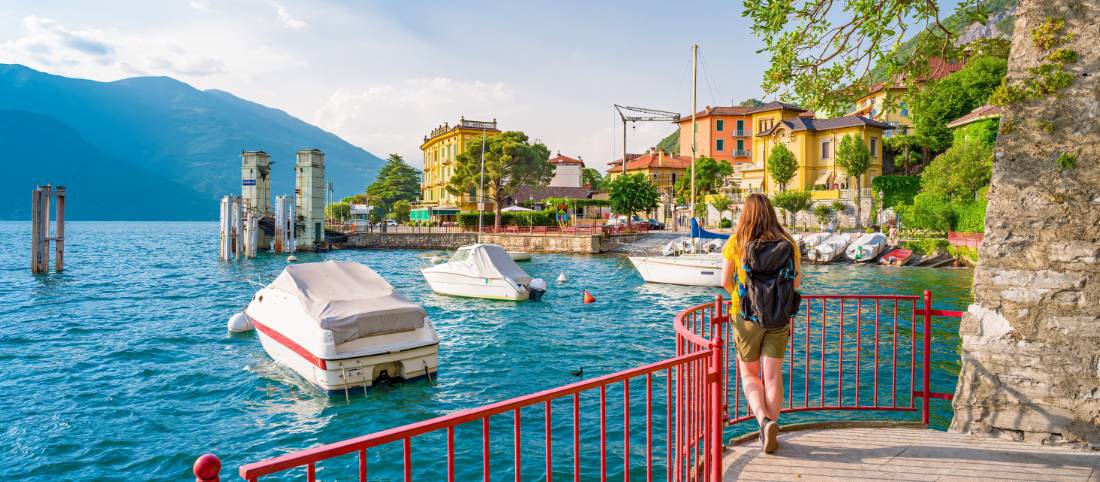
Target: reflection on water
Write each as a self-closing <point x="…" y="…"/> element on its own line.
<point x="122" y="364"/>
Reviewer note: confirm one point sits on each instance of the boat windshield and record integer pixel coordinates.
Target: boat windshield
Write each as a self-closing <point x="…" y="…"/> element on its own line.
<point x="461" y="255"/>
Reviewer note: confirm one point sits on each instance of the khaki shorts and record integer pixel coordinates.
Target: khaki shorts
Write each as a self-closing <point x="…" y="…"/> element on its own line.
<point x="752" y="340"/>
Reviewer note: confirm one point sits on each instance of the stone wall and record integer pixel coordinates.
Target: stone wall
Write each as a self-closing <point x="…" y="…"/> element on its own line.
<point x="533" y="243"/>
<point x="410" y="240"/>
<point x="843" y="219"/>
<point x="1031" y="339"/>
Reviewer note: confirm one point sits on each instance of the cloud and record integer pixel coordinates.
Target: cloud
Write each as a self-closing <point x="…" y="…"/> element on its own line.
<point x="96" y="53"/>
<point x="394" y="118"/>
<point x="288" y="20"/>
<point x="199" y="4"/>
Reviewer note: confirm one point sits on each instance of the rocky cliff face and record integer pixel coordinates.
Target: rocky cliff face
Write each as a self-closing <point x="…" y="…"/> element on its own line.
<point x="1031" y="340"/>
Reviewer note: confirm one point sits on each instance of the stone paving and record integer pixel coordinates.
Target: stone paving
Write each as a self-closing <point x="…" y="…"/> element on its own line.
<point x="905" y="454"/>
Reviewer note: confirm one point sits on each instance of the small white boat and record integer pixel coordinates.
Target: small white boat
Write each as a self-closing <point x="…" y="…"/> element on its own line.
<point x="483" y="271"/>
<point x="809" y="241"/>
<point x="519" y="256"/>
<point x="829" y="249"/>
<point x="340" y="325"/>
<point x="866" y="247"/>
<point x="688" y="269"/>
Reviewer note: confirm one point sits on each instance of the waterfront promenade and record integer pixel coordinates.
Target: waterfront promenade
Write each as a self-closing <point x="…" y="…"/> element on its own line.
<point x="904" y="453"/>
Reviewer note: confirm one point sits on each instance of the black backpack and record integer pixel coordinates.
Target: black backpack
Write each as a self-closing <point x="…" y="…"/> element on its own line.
<point x="768" y="297"/>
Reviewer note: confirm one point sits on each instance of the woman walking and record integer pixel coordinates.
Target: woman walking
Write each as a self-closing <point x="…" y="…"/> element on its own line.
<point x="762" y="271"/>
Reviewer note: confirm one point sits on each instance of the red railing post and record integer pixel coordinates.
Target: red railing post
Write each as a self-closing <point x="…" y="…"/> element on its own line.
<point x="926" y="375"/>
<point x="715" y="377"/>
<point x="206" y="468"/>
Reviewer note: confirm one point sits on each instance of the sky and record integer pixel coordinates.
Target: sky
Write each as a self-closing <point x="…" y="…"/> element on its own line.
<point x="382" y="74"/>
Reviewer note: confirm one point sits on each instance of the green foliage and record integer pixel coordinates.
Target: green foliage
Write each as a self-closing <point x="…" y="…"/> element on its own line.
<point x="396" y="181"/>
<point x="751" y="102"/>
<point x="822" y="212"/>
<point x="376" y="215"/>
<point x="633" y="193"/>
<point x="570" y="202"/>
<point x="1045" y="126"/>
<point x="990" y="47"/>
<point x="782" y="165"/>
<point x="401" y="211"/>
<point x="984" y="130"/>
<point x="963" y="252"/>
<point x="1048" y="78"/>
<point x="510" y="161"/>
<point x="468" y="219"/>
<point x="1065" y="161"/>
<point x="361" y="198"/>
<point x="947" y="99"/>
<point x="838" y="206"/>
<point x="1049" y="33"/>
<point x="591" y="178"/>
<point x="855" y="158"/>
<point x="939" y="214"/>
<point x="960" y="172"/>
<point x="721" y="203"/>
<point x="709" y="174"/>
<point x="906" y="150"/>
<point x="725" y="223"/>
<point x="671" y="143"/>
<point x="792" y="201"/>
<point x="338" y="210"/>
<point x="896" y="190"/>
<point x="926" y="246"/>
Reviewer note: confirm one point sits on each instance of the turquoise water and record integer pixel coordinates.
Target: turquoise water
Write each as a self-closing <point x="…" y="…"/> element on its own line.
<point x="120" y="368"/>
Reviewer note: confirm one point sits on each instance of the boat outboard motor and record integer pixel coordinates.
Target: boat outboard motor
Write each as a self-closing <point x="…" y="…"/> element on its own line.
<point x="536" y="289"/>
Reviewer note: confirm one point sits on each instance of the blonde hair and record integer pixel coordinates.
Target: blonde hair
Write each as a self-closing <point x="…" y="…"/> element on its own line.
<point x="758" y="222"/>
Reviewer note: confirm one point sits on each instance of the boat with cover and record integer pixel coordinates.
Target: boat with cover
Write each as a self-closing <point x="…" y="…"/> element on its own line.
<point x="340" y="325"/>
<point x="690" y="269"/>
<point x="829" y="249"/>
<point x="483" y="271"/>
<point x="809" y="241"/>
<point x="866" y="248"/>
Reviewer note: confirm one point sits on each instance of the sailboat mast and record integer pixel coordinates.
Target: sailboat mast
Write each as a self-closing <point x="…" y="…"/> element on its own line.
<point x="694" y="85"/>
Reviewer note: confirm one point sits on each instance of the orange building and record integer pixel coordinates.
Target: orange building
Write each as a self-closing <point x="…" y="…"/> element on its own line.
<point x="721" y="133"/>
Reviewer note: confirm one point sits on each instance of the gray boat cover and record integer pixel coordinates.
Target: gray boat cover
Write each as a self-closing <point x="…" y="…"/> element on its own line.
<point x="484" y="261"/>
<point x="349" y="299"/>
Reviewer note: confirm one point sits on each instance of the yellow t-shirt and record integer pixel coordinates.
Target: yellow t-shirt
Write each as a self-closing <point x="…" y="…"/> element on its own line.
<point x="729" y="253"/>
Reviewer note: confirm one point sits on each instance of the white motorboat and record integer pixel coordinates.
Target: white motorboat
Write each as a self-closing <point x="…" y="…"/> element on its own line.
<point x="341" y="326"/>
<point x="809" y="241"/>
<point x="866" y="247"/>
<point x="483" y="271"/>
<point x="687" y="269"/>
<point x="829" y="249"/>
<point x="519" y="256"/>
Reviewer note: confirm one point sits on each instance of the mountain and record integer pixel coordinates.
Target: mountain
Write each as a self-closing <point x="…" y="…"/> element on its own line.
<point x="40" y="149"/>
<point x="170" y="131"/>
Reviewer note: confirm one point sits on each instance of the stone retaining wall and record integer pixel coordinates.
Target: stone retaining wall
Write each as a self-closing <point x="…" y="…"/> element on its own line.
<point x="533" y="243"/>
<point x="410" y="240"/>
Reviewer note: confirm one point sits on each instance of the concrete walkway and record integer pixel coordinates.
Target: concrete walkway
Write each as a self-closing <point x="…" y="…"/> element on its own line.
<point x="905" y="454"/>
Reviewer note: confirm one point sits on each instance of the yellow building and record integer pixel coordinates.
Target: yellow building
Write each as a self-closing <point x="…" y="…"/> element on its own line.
<point x="441" y="148"/>
<point x="814" y="143"/>
<point x="874" y="105"/>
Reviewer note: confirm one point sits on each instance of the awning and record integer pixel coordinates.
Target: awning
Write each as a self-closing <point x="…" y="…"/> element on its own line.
<point x="511" y="209"/>
<point x="822" y="178"/>
<point x="444" y="211"/>
<point x="420" y="214"/>
<point x="751" y="183"/>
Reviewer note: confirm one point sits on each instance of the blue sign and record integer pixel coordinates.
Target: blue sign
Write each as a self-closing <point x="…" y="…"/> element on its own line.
<point x="248" y="182"/>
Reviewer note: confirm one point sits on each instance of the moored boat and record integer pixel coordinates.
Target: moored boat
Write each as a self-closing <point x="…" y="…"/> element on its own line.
<point x="896" y="257"/>
<point x="519" y="256"/>
<point x="483" y="271"/>
<point x="340" y="326"/>
<point x="809" y="241"/>
<point x="828" y="250"/>
<point x="688" y="269"/>
<point x="866" y="248"/>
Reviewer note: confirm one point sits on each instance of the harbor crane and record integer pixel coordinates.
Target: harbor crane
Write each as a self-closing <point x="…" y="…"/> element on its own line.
<point x="642" y="114"/>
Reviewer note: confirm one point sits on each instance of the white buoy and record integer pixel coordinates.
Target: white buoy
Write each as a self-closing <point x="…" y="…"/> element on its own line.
<point x="292" y="259"/>
<point x="562" y="278"/>
<point x="239" y="323"/>
<point x="438" y="259"/>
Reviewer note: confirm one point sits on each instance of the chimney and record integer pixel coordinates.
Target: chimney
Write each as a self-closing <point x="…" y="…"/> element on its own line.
<point x="660" y="158"/>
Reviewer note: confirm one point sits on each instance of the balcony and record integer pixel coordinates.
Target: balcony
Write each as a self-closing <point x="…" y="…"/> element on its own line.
<point x="742" y="153"/>
<point x="742" y="132"/>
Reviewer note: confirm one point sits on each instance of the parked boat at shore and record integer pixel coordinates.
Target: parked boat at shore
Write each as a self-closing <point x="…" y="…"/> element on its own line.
<point x="896" y="257"/>
<point x="340" y="326"/>
<point x="866" y="247"/>
<point x="519" y="256"/>
<point x="806" y="242"/>
<point x="687" y="269"/>
<point x="829" y="249"/>
<point x="483" y="271"/>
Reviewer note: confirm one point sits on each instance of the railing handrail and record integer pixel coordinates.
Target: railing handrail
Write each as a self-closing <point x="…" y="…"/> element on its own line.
<point x="344" y="447"/>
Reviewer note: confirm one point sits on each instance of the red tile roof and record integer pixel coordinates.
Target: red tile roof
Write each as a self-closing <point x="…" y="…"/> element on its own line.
<point x="653" y="159"/>
<point x="719" y="110"/>
<point x="775" y="106"/>
<point x="983" y="112"/>
<point x="939" y="68"/>
<point x="619" y="162"/>
<point x="560" y="159"/>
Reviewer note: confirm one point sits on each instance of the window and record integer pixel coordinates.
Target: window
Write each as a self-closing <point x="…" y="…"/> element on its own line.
<point x="874" y="147"/>
<point x="674" y="178"/>
<point x="721" y="144"/>
<point x="826" y="149"/>
<point x="720" y="125"/>
<point x="904" y="109"/>
<point x="740" y="126"/>
<point x="740" y="145"/>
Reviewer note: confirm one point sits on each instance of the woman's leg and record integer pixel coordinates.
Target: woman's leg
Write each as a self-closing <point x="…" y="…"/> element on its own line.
<point x="754" y="388"/>
<point x="773" y="386"/>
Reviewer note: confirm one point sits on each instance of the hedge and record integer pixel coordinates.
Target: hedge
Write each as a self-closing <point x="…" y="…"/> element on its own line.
<point x="468" y="219"/>
<point x="936" y="213"/>
<point x="896" y="190"/>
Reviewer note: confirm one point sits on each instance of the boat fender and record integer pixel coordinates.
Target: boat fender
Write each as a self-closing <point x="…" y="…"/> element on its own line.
<point x="292" y="259"/>
<point x="588" y="298"/>
<point x="537" y="288"/>
<point x="239" y="323"/>
<point x="562" y="278"/>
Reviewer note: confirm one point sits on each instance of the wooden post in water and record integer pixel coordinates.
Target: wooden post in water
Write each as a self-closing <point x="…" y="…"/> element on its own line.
<point x="36" y="231"/>
<point x="59" y="231"/>
<point x="238" y="239"/>
<point x="280" y="224"/>
<point x="40" y="228"/>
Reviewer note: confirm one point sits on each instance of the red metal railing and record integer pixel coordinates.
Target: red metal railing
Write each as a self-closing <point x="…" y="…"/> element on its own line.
<point x="879" y="333"/>
<point x="969" y="240"/>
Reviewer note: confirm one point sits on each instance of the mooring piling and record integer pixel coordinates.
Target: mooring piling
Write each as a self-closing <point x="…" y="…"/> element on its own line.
<point x="40" y="228"/>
